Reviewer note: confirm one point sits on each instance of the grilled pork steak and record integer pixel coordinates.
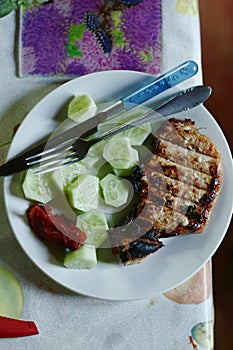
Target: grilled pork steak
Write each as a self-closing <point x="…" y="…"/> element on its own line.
<point x="177" y="184"/>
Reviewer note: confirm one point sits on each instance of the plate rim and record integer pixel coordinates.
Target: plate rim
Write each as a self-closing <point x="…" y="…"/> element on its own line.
<point x="6" y="180"/>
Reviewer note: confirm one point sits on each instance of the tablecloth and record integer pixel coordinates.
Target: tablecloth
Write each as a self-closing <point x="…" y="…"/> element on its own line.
<point x="66" y="320"/>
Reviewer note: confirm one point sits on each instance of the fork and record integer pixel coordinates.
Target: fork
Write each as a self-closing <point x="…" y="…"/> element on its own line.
<point x="68" y="152"/>
<point x="72" y="151"/>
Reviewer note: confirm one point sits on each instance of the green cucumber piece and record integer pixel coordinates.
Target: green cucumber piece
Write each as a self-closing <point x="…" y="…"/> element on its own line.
<point x="38" y="187"/>
<point x="81" y="108"/>
<point x="11" y="294"/>
<point x="95" y="225"/>
<point x="83" y="258"/>
<point x="119" y="153"/>
<point x="104" y="170"/>
<point x="115" y="190"/>
<point x="123" y="172"/>
<point x="137" y="134"/>
<point x="94" y="159"/>
<point x="68" y="174"/>
<point x="83" y="193"/>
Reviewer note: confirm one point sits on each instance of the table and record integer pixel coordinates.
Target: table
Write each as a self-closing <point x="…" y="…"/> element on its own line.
<point x="67" y="320"/>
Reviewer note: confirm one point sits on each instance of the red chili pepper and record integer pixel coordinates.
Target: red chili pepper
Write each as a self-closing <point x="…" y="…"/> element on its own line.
<point x="12" y="328"/>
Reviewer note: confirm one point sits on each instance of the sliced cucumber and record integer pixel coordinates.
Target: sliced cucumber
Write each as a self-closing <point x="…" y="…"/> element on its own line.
<point x="137" y="134"/>
<point x="123" y="172"/>
<point x="115" y="190"/>
<point x="11" y="294"/>
<point x="81" y="108"/>
<point x="95" y="225"/>
<point x="69" y="173"/>
<point x="104" y="170"/>
<point x="83" y="258"/>
<point x="94" y="158"/>
<point x="121" y="118"/>
<point x="83" y="193"/>
<point x="119" y="153"/>
<point x="38" y="187"/>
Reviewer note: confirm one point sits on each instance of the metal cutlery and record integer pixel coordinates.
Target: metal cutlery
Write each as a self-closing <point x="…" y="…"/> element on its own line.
<point x="173" y="77"/>
<point x="53" y="157"/>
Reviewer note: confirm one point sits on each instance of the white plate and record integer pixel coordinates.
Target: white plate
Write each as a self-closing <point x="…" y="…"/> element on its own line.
<point x="177" y="261"/>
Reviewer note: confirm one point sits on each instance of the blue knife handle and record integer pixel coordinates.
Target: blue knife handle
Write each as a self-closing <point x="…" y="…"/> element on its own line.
<point x="173" y="77"/>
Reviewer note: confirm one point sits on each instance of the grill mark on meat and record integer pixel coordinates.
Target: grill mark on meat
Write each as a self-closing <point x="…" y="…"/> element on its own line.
<point x="187" y="158"/>
<point x="179" y="172"/>
<point x="173" y="186"/>
<point x="188" y="136"/>
<point x="178" y="185"/>
<point x="137" y="250"/>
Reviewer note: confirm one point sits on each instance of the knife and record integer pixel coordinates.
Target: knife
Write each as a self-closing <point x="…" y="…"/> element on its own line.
<point x="162" y="83"/>
<point x="183" y="100"/>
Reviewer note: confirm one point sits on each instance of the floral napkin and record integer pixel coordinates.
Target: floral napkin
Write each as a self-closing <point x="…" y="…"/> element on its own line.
<point x="69" y="38"/>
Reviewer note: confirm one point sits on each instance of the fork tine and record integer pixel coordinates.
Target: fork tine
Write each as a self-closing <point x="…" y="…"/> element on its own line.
<point x="48" y="158"/>
<point x="49" y="152"/>
<point x="55" y="157"/>
<point x="55" y="166"/>
<point x="50" y="161"/>
<point x="51" y="166"/>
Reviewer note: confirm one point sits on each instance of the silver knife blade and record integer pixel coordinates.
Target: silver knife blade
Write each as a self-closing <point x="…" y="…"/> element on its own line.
<point x="182" y="100"/>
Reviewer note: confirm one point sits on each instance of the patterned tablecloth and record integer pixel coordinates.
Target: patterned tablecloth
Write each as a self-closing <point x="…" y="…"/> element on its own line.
<point x="180" y="319"/>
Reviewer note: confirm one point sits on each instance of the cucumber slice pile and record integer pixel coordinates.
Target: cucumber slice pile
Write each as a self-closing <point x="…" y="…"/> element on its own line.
<point x="115" y="190"/>
<point x="11" y="294"/>
<point x="83" y="193"/>
<point x="93" y="187"/>
<point x="83" y="258"/>
<point x="95" y="225"/>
